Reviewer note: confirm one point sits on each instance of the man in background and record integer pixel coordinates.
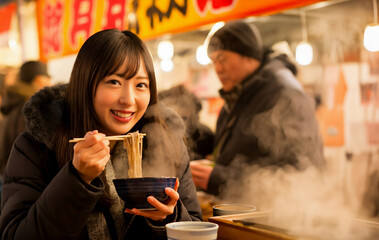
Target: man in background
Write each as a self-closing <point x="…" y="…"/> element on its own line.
<point x="31" y="78"/>
<point x="267" y="119"/>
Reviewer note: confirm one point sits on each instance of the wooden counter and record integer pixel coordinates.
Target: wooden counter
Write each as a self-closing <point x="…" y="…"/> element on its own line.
<point x="228" y="229"/>
<point x="233" y="227"/>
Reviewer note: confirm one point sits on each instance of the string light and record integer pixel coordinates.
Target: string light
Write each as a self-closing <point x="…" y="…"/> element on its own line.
<point x="165" y="50"/>
<point x="166" y="65"/>
<point x="202" y="56"/>
<point x="304" y="51"/>
<point x="165" y="53"/>
<point x="371" y="35"/>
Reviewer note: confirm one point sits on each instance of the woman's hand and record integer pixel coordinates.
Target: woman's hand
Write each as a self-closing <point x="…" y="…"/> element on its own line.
<point x="163" y="209"/>
<point x="91" y="155"/>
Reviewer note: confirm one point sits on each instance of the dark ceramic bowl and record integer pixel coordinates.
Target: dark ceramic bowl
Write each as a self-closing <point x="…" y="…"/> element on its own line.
<point x="134" y="191"/>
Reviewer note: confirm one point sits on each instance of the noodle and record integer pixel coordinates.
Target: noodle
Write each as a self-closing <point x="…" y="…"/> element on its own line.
<point x="133" y="145"/>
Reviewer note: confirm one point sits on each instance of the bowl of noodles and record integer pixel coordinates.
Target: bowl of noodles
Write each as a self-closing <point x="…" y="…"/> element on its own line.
<point x="134" y="191"/>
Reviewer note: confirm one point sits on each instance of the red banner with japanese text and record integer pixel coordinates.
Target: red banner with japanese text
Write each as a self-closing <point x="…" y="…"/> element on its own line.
<point x="6" y="13"/>
<point x="64" y="25"/>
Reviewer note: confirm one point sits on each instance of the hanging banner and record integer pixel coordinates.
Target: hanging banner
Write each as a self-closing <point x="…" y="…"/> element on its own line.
<point x="6" y="13"/>
<point x="65" y="24"/>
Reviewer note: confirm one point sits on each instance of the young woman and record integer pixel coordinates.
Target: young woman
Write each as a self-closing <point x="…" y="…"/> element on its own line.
<point x="54" y="189"/>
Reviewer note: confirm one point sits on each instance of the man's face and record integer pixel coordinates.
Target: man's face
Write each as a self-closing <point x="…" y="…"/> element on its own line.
<point x="231" y="67"/>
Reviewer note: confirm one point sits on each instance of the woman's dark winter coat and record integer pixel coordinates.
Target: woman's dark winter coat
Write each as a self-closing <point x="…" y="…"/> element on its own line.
<point x="43" y="201"/>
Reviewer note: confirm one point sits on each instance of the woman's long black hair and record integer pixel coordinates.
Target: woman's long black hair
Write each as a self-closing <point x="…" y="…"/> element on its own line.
<point x="100" y="56"/>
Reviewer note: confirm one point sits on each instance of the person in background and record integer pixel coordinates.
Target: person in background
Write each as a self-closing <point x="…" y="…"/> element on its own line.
<point x="17" y="90"/>
<point x="54" y="189"/>
<point x="267" y="119"/>
<point x="32" y="77"/>
<point x="199" y="137"/>
<point x="8" y="77"/>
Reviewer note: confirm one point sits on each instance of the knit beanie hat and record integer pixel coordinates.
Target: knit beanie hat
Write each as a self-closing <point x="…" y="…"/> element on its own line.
<point x="237" y="36"/>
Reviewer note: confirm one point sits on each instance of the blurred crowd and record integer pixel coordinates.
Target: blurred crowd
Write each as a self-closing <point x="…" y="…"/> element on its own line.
<point x="17" y="86"/>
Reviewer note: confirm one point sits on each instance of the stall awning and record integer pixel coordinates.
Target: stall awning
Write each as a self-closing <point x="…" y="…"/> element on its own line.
<point x="65" y="25"/>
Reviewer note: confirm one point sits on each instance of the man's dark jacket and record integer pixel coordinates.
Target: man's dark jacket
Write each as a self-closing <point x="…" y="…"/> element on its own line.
<point x="272" y="123"/>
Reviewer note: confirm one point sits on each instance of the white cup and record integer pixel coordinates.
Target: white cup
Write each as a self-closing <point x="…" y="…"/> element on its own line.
<point x="191" y="231"/>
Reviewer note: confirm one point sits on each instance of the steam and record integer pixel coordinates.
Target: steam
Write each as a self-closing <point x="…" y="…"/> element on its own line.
<point x="307" y="203"/>
<point x="164" y="150"/>
<point x="306" y="198"/>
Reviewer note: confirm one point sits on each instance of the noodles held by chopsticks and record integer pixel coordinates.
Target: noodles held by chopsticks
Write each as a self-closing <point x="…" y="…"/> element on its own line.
<point x="133" y="147"/>
<point x="133" y="144"/>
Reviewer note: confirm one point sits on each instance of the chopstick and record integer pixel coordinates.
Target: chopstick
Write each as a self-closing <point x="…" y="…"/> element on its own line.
<point x="115" y="138"/>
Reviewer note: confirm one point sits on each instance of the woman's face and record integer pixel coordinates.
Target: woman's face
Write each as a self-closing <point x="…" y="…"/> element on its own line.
<point x="120" y="103"/>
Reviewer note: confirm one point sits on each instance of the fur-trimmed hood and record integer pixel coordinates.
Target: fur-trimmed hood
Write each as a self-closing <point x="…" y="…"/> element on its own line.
<point x="44" y="114"/>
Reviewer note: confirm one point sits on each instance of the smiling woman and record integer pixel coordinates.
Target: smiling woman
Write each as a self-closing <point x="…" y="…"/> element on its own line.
<point x="112" y="91"/>
<point x="121" y="100"/>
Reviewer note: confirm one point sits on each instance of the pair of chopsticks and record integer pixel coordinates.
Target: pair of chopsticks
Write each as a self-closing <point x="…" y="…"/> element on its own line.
<point x="114" y="138"/>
